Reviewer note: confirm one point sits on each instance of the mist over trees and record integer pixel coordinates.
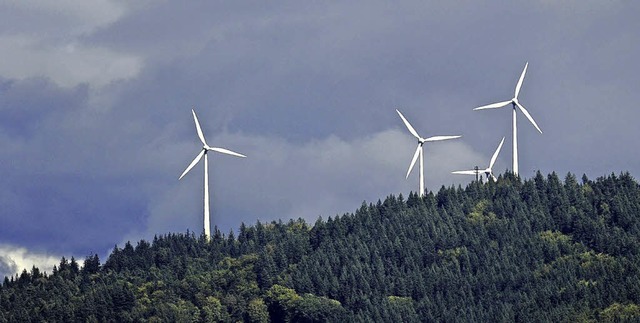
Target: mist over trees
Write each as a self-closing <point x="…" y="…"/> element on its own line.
<point x="542" y="249"/>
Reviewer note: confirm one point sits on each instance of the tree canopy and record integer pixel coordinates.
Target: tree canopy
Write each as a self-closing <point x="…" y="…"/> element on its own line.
<point x="542" y="249"/>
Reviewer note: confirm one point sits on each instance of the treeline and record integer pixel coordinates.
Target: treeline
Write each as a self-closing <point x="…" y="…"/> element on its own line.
<point x="543" y="249"/>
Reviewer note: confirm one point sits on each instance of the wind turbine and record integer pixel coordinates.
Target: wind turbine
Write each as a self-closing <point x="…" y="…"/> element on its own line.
<point x="419" y="151"/>
<point x="514" y="103"/>
<point x="488" y="171"/>
<point x="206" y="148"/>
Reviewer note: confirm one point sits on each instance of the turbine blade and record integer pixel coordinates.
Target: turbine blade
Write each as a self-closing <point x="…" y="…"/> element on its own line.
<point x="195" y="118"/>
<point x="406" y="123"/>
<point x="495" y="154"/>
<point x="226" y="151"/>
<point x="494" y="177"/>
<point x="493" y="105"/>
<point x="193" y="163"/>
<point x="466" y="172"/>
<point x="520" y="80"/>
<point x="413" y="161"/>
<point x="440" y="138"/>
<point x="526" y="113"/>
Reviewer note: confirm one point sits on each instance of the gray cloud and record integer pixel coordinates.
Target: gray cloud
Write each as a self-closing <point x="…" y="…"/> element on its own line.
<point x="49" y="44"/>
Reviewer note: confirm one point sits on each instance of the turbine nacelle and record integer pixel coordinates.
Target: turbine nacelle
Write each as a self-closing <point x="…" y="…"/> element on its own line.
<point x="488" y="174"/>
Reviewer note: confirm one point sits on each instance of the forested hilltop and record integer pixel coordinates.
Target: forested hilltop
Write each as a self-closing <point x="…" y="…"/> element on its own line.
<point x="543" y="249"/>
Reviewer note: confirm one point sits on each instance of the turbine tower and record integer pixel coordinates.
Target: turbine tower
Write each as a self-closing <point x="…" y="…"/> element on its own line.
<point x="206" y="148"/>
<point x="488" y="171"/>
<point x="419" y="151"/>
<point x="514" y="103"/>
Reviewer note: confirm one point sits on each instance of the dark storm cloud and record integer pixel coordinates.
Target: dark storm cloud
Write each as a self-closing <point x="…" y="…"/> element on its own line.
<point x="60" y="179"/>
<point x="95" y="127"/>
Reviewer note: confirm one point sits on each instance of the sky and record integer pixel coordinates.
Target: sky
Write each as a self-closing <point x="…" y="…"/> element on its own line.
<point x="96" y="99"/>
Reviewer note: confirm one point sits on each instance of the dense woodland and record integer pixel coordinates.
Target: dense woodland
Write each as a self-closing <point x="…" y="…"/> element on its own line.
<point x="542" y="249"/>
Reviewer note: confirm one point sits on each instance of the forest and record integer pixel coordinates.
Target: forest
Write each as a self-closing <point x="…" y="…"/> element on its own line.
<point x="544" y="249"/>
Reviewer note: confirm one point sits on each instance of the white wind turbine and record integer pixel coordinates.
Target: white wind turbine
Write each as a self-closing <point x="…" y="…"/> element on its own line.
<point x="419" y="151"/>
<point x="206" y="148"/>
<point x="514" y="103"/>
<point x="488" y="171"/>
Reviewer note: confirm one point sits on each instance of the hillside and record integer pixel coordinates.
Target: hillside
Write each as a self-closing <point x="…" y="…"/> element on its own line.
<point x="543" y="249"/>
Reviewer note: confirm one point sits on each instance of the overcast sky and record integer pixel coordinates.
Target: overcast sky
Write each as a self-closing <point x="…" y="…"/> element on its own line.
<point x="96" y="99"/>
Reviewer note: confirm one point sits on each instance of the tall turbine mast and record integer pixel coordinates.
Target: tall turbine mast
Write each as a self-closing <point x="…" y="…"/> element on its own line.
<point x="514" y="103"/>
<point x="206" y="148"/>
<point x="419" y="150"/>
